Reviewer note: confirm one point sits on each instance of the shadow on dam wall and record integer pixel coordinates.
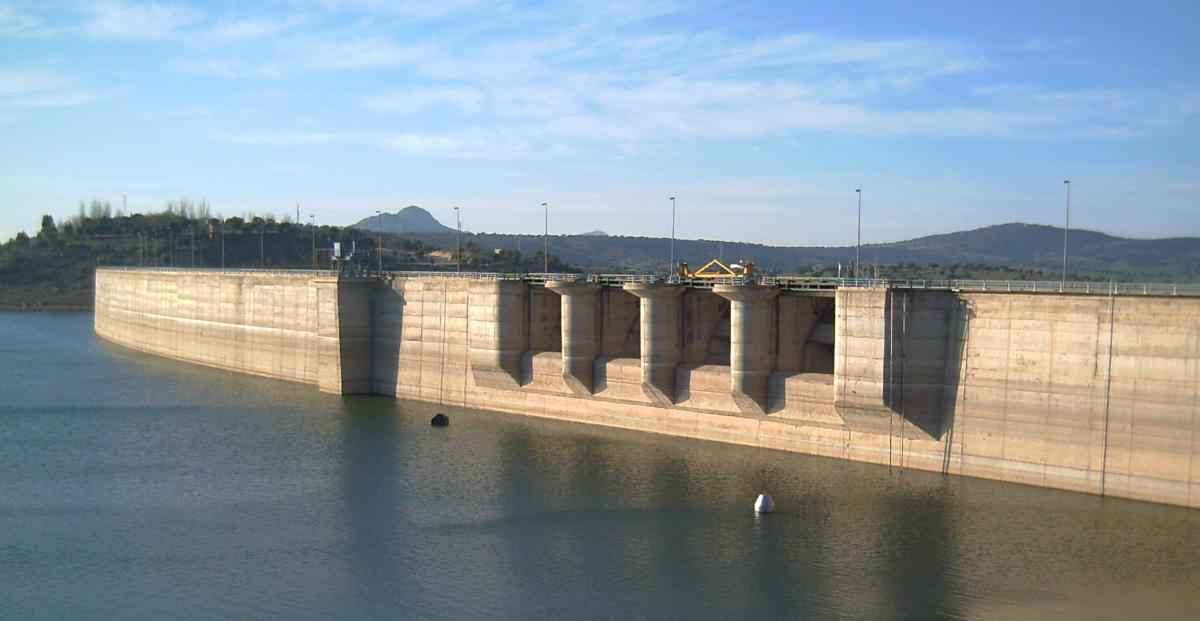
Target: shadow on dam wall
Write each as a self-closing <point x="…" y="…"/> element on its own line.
<point x="924" y="346"/>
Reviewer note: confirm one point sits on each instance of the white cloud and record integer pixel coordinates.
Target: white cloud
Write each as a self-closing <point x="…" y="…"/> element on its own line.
<point x="306" y="55"/>
<point x="466" y="100"/>
<point x="284" y="138"/>
<point x="574" y="77"/>
<point x="17" y="81"/>
<point x="410" y="9"/>
<point x="32" y="88"/>
<point x="249" y="28"/>
<point x="124" y="20"/>
<point x="1049" y="44"/>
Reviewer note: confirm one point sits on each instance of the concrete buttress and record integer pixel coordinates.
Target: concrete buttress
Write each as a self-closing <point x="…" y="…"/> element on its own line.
<point x="661" y="334"/>
<point x="580" y="332"/>
<point x="497" y="324"/>
<point x="751" y="343"/>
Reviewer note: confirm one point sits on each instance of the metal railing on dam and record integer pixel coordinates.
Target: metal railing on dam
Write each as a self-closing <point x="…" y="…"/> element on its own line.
<point x="786" y="283"/>
<point x="799" y="283"/>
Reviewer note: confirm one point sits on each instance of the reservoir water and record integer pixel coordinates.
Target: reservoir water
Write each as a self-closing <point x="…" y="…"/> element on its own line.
<point x="136" y="487"/>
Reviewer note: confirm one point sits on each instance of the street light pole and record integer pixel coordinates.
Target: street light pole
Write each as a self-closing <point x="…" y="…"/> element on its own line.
<point x="1066" y="226"/>
<point x="858" y="244"/>
<point x="546" y="240"/>
<point x="458" y="240"/>
<point x="671" y="265"/>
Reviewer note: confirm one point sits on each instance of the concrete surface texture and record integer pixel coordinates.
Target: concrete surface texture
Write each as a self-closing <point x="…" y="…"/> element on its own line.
<point x="1089" y="393"/>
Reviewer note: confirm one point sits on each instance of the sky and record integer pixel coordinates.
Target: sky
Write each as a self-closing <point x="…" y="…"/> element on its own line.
<point x="761" y="118"/>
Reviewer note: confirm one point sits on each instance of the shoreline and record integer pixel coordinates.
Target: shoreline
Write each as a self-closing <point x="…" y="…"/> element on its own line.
<point x="56" y="308"/>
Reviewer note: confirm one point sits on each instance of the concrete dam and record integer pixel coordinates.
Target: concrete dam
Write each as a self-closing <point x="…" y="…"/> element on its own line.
<point x="1093" y="389"/>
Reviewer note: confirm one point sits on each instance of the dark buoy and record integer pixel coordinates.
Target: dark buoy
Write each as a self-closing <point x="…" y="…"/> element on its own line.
<point x="440" y="420"/>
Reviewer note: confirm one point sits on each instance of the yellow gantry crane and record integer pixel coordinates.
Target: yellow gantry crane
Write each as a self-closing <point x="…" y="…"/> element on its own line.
<point x="716" y="269"/>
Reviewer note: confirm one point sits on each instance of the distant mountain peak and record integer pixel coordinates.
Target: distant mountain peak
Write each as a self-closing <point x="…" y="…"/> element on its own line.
<point x="595" y="233"/>
<point x="411" y="219"/>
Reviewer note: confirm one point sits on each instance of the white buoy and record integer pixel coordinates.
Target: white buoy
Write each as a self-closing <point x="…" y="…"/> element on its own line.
<point x="764" y="504"/>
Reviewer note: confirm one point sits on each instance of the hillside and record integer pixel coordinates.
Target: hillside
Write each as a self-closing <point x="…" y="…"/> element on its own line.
<point x="411" y="219"/>
<point x="53" y="269"/>
<point x="1021" y="250"/>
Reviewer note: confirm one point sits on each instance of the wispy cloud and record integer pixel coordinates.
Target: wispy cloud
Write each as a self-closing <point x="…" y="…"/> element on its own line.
<point x="284" y="138"/>
<point x="304" y="54"/>
<point x="240" y="29"/>
<point x="33" y="88"/>
<point x="1049" y="44"/>
<point x="409" y="9"/>
<point x="126" y="20"/>
<point x="581" y="76"/>
<point x="467" y="100"/>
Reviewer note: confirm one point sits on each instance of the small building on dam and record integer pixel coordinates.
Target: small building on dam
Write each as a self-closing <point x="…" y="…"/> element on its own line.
<point x="1093" y="388"/>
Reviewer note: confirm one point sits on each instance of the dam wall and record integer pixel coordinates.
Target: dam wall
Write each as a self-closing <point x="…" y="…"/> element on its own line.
<point x="1092" y="393"/>
<point x="312" y="328"/>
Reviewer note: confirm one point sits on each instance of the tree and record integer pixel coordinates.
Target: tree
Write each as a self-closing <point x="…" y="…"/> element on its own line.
<point x="48" y="231"/>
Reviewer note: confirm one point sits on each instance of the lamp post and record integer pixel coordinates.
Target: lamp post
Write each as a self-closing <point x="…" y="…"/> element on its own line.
<point x="671" y="265"/>
<point x="1066" y="226"/>
<point x="458" y="240"/>
<point x="379" y="235"/>
<point x="858" y="244"/>
<point x="312" y="225"/>
<point x="546" y="240"/>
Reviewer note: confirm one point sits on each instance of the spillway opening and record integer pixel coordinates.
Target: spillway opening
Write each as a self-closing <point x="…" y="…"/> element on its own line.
<point x="544" y="310"/>
<point x="620" y="324"/>
<point x="705" y="328"/>
<point x="806" y="334"/>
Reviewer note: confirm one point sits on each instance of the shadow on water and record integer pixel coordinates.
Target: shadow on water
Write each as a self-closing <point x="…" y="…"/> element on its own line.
<point x="918" y="536"/>
<point x="371" y="475"/>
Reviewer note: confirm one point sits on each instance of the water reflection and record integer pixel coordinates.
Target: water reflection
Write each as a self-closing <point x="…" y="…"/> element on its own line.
<point x="371" y="475"/>
<point x="153" y="488"/>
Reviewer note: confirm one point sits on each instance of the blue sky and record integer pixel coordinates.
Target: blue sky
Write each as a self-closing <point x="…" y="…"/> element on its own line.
<point x="762" y="118"/>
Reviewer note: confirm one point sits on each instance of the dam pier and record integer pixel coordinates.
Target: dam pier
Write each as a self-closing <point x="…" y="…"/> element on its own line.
<point x="1079" y="386"/>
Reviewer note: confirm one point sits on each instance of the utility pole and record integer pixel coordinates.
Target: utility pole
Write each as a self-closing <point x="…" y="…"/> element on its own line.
<point x="458" y="239"/>
<point x="312" y="224"/>
<point x="1066" y="226"/>
<point x="858" y="244"/>
<point x="671" y="265"/>
<point x="546" y="240"/>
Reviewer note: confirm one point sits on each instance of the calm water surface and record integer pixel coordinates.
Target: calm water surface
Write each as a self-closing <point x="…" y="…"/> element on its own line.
<point x="135" y="487"/>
